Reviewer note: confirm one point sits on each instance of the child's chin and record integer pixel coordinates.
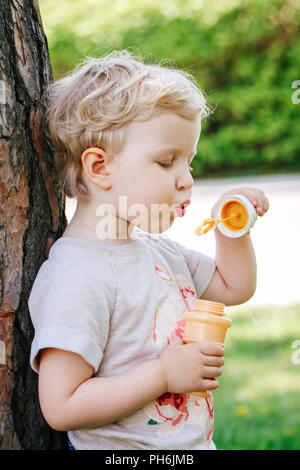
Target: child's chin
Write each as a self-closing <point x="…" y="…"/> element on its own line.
<point x="155" y="228"/>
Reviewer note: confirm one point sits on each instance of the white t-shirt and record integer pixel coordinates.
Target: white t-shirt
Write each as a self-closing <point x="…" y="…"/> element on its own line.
<point x="117" y="307"/>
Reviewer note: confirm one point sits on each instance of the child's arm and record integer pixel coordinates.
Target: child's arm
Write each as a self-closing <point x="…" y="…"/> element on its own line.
<point x="234" y="281"/>
<point x="71" y="398"/>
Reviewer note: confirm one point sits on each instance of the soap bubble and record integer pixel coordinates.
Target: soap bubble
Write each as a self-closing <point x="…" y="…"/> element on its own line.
<point x="263" y="315"/>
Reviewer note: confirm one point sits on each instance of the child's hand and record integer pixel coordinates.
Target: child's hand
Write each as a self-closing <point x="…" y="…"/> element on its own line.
<point x="257" y="198"/>
<point x="191" y="367"/>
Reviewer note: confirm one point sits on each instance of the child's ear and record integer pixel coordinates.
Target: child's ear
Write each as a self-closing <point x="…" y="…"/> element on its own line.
<point x="95" y="164"/>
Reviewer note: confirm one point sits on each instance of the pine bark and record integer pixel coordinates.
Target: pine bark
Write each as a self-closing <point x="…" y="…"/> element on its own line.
<point x="32" y="217"/>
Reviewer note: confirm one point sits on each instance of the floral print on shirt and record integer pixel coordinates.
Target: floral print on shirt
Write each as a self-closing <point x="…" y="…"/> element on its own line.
<point x="172" y="411"/>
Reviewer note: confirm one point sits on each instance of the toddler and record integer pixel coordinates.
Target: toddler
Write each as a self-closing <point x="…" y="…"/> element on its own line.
<point x="108" y="303"/>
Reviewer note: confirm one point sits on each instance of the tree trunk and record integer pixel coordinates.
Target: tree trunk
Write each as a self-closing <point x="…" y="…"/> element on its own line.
<point x="32" y="217"/>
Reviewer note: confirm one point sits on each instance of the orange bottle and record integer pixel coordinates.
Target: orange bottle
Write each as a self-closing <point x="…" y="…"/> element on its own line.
<point x="233" y="215"/>
<point x="206" y="322"/>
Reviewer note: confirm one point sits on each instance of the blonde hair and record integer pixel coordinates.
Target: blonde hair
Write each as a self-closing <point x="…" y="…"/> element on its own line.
<point x="92" y="105"/>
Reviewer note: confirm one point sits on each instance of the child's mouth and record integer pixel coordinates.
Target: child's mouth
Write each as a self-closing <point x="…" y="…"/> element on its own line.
<point x="180" y="210"/>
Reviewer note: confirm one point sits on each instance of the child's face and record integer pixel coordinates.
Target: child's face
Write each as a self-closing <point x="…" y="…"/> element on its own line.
<point x="154" y="168"/>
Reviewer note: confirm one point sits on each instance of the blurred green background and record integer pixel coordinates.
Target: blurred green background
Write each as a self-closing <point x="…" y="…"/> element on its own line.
<point x="245" y="55"/>
<point x="257" y="403"/>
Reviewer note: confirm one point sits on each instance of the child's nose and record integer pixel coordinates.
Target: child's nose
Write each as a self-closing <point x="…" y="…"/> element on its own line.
<point x="185" y="182"/>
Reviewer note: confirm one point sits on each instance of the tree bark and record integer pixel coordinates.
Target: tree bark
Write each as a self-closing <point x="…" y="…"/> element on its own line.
<point x="32" y="217"/>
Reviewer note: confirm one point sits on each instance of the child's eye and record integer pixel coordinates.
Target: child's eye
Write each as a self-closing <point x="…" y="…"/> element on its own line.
<point x="165" y="165"/>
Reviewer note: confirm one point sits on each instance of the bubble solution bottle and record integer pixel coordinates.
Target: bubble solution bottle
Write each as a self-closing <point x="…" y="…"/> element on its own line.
<point x="206" y="322"/>
<point x="233" y="215"/>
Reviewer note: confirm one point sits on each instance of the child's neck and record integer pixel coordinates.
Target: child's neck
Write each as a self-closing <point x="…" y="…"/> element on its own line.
<point x="86" y="225"/>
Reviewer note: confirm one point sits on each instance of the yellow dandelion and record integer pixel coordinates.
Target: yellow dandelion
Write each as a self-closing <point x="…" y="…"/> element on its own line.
<point x="242" y="410"/>
<point x="290" y="431"/>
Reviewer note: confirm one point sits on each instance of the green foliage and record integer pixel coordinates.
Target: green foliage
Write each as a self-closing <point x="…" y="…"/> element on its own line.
<point x="244" y="54"/>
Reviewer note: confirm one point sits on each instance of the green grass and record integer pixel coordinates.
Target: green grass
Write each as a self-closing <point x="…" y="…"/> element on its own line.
<point x="257" y="402"/>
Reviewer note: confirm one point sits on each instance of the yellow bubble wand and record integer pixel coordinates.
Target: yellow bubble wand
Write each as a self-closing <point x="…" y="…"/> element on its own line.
<point x="210" y="223"/>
